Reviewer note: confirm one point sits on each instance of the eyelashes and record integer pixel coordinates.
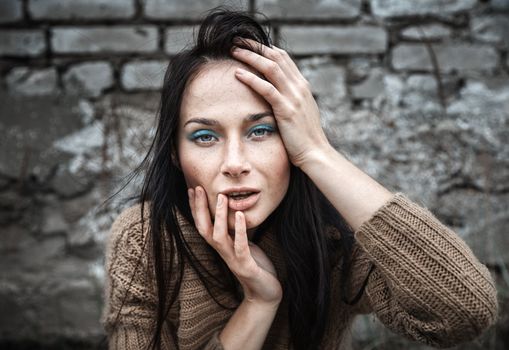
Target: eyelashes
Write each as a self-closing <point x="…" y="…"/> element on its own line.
<point x="205" y="136"/>
<point x="268" y="129"/>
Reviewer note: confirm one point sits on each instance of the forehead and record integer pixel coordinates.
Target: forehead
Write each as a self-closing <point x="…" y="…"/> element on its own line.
<point x="216" y="92"/>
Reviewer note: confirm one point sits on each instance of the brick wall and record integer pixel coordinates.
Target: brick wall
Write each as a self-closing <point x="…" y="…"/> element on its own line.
<point x="414" y="93"/>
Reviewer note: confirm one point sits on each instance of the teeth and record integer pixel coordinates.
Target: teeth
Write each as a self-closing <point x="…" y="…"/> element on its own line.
<point x="239" y="193"/>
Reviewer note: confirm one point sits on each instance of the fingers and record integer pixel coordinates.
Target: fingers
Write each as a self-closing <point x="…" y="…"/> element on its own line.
<point x="220" y="235"/>
<point x="241" y="245"/>
<point x="215" y="234"/>
<point x="290" y="63"/>
<point x="237" y="253"/>
<point x="273" y="53"/>
<point x="263" y="62"/>
<point x="262" y="87"/>
<point x="270" y="69"/>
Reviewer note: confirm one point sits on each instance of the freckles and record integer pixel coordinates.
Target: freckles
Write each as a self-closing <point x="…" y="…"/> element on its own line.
<point x="277" y="160"/>
<point x="199" y="168"/>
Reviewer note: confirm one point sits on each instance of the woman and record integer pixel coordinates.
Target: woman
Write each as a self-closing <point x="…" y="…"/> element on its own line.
<point x="251" y="230"/>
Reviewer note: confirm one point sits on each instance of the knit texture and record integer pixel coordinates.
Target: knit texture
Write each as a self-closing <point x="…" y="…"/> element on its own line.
<point x="425" y="284"/>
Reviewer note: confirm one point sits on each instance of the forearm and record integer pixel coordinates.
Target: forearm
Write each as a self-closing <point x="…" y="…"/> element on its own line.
<point x="427" y="283"/>
<point x="248" y="326"/>
<point x="354" y="194"/>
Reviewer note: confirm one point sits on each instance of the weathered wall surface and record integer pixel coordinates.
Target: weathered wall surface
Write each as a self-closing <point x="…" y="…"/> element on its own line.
<point x="415" y="93"/>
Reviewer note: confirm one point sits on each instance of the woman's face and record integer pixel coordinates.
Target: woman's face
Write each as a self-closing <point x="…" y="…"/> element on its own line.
<point x="228" y="140"/>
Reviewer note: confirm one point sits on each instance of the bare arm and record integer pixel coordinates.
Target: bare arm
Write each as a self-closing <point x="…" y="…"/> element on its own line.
<point x="351" y="191"/>
<point x="248" y="326"/>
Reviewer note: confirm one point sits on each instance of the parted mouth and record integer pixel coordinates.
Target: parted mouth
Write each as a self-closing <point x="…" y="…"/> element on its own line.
<point x="240" y="193"/>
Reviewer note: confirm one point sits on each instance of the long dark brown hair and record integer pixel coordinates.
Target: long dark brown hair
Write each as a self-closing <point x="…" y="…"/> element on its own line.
<point x="299" y="222"/>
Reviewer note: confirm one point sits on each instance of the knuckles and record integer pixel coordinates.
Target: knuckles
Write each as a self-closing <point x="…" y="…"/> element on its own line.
<point x="275" y="55"/>
<point x="273" y="68"/>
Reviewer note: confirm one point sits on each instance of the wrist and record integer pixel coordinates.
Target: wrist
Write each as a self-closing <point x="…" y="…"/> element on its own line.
<point x="261" y="306"/>
<point x="316" y="157"/>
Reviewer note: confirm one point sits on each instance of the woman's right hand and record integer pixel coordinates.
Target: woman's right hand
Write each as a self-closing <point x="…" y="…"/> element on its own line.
<point x="248" y="262"/>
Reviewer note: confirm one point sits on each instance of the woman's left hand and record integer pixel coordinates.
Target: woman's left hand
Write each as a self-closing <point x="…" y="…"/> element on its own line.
<point x="288" y="92"/>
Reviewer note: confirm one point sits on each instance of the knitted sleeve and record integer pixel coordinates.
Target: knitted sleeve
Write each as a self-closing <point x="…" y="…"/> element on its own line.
<point x="130" y="295"/>
<point x="426" y="283"/>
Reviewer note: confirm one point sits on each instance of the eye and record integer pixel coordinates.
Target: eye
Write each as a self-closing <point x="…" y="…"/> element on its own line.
<point x="260" y="131"/>
<point x="203" y="136"/>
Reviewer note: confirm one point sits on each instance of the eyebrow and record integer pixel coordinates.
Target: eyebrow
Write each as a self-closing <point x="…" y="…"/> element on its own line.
<point x="211" y="122"/>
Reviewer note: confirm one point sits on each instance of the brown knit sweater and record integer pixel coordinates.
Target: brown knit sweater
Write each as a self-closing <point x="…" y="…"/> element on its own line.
<point x="426" y="285"/>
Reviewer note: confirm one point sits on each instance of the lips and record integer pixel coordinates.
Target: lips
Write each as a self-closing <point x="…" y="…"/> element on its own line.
<point x="241" y="198"/>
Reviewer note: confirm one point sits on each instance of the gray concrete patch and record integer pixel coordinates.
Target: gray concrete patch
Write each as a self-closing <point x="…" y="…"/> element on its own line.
<point x="30" y="125"/>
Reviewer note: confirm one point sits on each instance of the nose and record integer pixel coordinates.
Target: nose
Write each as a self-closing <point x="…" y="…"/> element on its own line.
<point x="235" y="162"/>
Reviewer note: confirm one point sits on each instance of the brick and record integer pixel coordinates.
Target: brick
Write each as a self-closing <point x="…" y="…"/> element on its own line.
<point x="491" y="29"/>
<point x="80" y="9"/>
<point x="32" y="82"/>
<point x="457" y="56"/>
<point x="305" y="9"/>
<point x="22" y="43"/>
<point x="143" y="75"/>
<point x="119" y="39"/>
<point x="327" y="81"/>
<point x="334" y="40"/>
<point x="371" y="87"/>
<point x="398" y="8"/>
<point x="178" y="38"/>
<point x="88" y="79"/>
<point x="178" y="9"/>
<point x="432" y="31"/>
<point x="10" y="11"/>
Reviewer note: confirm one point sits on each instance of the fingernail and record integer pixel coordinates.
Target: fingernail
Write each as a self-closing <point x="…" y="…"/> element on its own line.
<point x="239" y="71"/>
<point x="219" y="201"/>
<point x="190" y="192"/>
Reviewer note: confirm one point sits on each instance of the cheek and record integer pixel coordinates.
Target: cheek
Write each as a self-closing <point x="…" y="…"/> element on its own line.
<point x="282" y="167"/>
<point x="276" y="167"/>
<point x="196" y="167"/>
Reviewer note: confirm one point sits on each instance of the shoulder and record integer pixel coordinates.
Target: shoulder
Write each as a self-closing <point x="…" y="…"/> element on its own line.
<point x="130" y="217"/>
<point x="129" y="229"/>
